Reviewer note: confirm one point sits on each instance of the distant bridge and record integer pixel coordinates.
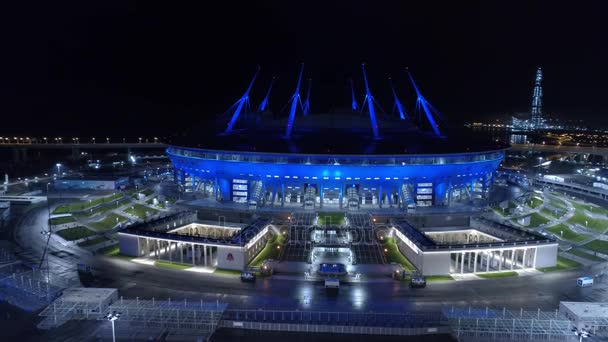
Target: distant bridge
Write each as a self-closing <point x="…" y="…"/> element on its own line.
<point x="20" y="149"/>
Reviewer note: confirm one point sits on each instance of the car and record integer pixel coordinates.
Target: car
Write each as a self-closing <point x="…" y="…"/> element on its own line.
<point x="418" y="281"/>
<point x="248" y="277"/>
<point x="332" y="285"/>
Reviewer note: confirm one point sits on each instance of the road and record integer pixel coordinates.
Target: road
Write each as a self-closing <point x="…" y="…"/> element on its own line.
<point x="542" y="291"/>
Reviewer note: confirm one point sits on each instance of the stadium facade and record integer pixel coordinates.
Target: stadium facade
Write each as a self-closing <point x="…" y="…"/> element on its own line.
<point x="345" y="159"/>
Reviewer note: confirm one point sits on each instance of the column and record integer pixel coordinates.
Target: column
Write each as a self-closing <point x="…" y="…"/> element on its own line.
<point x="456" y="262"/>
<point x="193" y="184"/>
<point x="169" y="243"/>
<point x="534" y="257"/>
<point x="215" y="185"/>
<point x="205" y="254"/>
<point x="462" y="263"/>
<point x="341" y="189"/>
<point x="513" y="252"/>
<point x="181" y="253"/>
<point x="157" y="249"/>
<point x="475" y="263"/>
<point x="500" y="260"/>
<point x="488" y="260"/>
<point x="523" y="260"/>
<point x="320" y="195"/>
<point x="193" y="256"/>
<point x="148" y="246"/>
<point x="470" y="254"/>
<point x="399" y="195"/>
<point x="380" y="196"/>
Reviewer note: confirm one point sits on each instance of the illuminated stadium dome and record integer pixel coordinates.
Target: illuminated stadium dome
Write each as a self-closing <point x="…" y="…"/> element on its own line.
<point x="352" y="160"/>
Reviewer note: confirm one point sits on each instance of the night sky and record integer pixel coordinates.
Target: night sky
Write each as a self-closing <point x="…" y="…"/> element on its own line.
<point x="124" y="68"/>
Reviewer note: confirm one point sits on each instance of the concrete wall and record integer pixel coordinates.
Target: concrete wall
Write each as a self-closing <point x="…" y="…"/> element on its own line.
<point x="439" y="220"/>
<point x="436" y="264"/>
<point x="546" y="256"/>
<point x="230" y="258"/>
<point x="128" y="245"/>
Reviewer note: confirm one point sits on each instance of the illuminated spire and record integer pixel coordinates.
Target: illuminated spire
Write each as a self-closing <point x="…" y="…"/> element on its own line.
<point x="537" y="101"/>
<point x="240" y="104"/>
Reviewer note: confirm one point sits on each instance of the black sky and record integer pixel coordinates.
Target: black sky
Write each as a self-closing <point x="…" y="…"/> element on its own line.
<point x="113" y="68"/>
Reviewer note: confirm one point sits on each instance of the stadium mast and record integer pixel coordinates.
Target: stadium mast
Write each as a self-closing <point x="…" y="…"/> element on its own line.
<point x="241" y="103"/>
<point x="264" y="102"/>
<point x="398" y="105"/>
<point x="426" y="106"/>
<point x="353" y="104"/>
<point x="295" y="99"/>
<point x="306" y="107"/>
<point x="370" y="104"/>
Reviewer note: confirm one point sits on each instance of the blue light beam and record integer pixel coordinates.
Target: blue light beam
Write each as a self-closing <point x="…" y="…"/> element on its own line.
<point x="306" y="107"/>
<point x="370" y="104"/>
<point x="353" y="104"/>
<point x="398" y="105"/>
<point x="264" y="102"/>
<point x="425" y="105"/>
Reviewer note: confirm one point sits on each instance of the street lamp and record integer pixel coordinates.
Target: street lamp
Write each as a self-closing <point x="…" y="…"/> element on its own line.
<point x="58" y="169"/>
<point x="112" y="316"/>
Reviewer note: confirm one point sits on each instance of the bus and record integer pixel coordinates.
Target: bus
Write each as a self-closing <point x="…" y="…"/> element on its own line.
<point x="584" y="281"/>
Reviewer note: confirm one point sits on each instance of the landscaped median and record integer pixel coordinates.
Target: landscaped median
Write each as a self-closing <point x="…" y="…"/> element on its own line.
<point x="583" y="220"/>
<point x="56" y="221"/>
<point x="597" y="246"/>
<point x="76" y="233"/>
<point x="140" y="211"/>
<point x="71" y="207"/>
<point x="497" y="275"/>
<point x="562" y="264"/>
<point x="108" y="222"/>
<point x="585" y="255"/>
<point x="173" y="265"/>
<point x="93" y="242"/>
<point x="536" y="219"/>
<point x="561" y="230"/>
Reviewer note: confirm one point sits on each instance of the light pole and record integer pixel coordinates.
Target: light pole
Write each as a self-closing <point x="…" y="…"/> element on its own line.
<point x="58" y="169"/>
<point x="112" y="316"/>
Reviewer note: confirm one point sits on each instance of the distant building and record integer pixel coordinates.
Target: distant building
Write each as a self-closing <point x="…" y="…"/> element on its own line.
<point x="593" y="317"/>
<point x="92" y="182"/>
<point x="536" y="120"/>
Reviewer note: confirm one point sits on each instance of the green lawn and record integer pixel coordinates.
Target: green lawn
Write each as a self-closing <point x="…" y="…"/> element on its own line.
<point x="108" y="222"/>
<point x="591" y="208"/>
<point x="61" y="220"/>
<point x="78" y="206"/>
<point x="535" y="220"/>
<point x="553" y="213"/>
<point x="438" y="278"/>
<point x="535" y="202"/>
<point x="497" y="275"/>
<point x="147" y="192"/>
<point x="94" y="241"/>
<point x="597" y="225"/>
<point x="160" y="204"/>
<point x="331" y="219"/>
<point x="597" y="246"/>
<point x="75" y="233"/>
<point x="114" y="252"/>
<point x="270" y="251"/>
<point x="140" y="210"/>
<point x="222" y="271"/>
<point x="174" y="265"/>
<point x="585" y="255"/>
<point x="562" y="264"/>
<point x="558" y="204"/>
<point x="568" y="234"/>
<point x="394" y="255"/>
<point x="103" y="209"/>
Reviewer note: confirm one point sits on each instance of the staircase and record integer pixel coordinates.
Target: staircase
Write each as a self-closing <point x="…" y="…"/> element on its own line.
<point x="255" y="194"/>
<point x="310" y="194"/>
<point x="407" y="196"/>
<point x="352" y="196"/>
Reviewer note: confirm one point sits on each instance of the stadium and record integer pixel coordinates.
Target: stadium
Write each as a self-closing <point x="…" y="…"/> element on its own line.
<point x="351" y="160"/>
